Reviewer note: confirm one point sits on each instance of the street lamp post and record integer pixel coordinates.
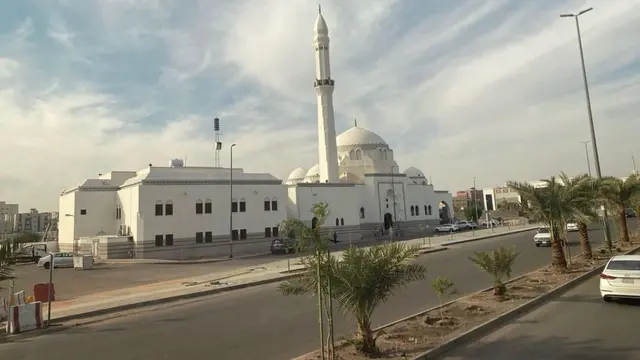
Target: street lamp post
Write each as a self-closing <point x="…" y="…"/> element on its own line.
<point x="231" y="201"/>
<point x="586" y="152"/>
<point x="393" y="192"/>
<point x="475" y="205"/>
<point x="596" y="157"/>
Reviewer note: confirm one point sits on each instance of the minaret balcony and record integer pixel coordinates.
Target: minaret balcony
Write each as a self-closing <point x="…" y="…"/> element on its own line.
<point x="320" y="82"/>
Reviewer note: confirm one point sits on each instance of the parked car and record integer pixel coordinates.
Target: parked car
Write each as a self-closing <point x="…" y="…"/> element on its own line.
<point x="283" y="246"/>
<point x="542" y="237"/>
<point x="466" y="225"/>
<point x="446" y="228"/>
<point x="621" y="278"/>
<point x="30" y="252"/>
<point x="572" y="226"/>
<point x="60" y="259"/>
<point x="491" y="223"/>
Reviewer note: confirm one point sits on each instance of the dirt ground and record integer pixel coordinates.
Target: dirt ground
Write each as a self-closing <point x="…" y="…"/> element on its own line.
<point x="420" y="334"/>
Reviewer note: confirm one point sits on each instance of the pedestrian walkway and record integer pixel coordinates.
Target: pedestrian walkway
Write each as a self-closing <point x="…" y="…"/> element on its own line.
<point x="156" y="293"/>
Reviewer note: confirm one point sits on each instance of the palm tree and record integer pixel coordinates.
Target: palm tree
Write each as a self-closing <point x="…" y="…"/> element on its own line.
<point x="552" y="205"/>
<point x="619" y="195"/>
<point x="360" y="282"/>
<point x="6" y="272"/>
<point x="582" y="191"/>
<point x="498" y="264"/>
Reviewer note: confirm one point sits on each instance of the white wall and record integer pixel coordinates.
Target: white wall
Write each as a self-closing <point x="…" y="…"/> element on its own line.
<point x="185" y="222"/>
<point x="128" y="201"/>
<point x="66" y="224"/>
<point x="342" y="201"/>
<point x="100" y="214"/>
<point x="421" y="196"/>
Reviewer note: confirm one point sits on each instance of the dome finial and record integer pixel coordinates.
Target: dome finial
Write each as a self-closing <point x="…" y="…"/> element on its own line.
<point x="355" y="122"/>
<point x="319" y="9"/>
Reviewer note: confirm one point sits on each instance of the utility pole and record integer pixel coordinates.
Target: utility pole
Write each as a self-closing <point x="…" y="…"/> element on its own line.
<point x="586" y="152"/>
<point x="596" y="157"/>
<point x="475" y="205"/>
<point x="231" y="201"/>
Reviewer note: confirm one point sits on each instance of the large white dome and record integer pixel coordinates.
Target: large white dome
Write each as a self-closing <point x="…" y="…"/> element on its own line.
<point x="359" y="136"/>
<point x="297" y="174"/>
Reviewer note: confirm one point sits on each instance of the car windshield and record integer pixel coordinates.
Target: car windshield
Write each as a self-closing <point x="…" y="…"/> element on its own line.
<point x="543" y="231"/>
<point x="625" y="265"/>
<point x="277" y="242"/>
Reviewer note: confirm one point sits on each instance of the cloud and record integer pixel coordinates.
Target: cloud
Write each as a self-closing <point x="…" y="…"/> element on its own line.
<point x="459" y="89"/>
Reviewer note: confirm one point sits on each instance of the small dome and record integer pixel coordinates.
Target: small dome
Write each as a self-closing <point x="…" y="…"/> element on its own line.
<point x="314" y="171"/>
<point x="297" y="174"/>
<point x="413" y="172"/>
<point x="359" y="136"/>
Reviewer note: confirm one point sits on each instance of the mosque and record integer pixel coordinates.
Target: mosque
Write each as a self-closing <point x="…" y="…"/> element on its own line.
<point x="182" y="212"/>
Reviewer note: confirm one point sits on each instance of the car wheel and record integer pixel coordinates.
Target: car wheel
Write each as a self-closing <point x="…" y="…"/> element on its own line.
<point x="47" y="265"/>
<point x="607" y="299"/>
<point x="537" y="245"/>
<point x="436" y="231"/>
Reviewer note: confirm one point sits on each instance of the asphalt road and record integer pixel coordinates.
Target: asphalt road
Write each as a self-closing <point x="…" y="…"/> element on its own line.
<point x="259" y="323"/>
<point x="575" y="326"/>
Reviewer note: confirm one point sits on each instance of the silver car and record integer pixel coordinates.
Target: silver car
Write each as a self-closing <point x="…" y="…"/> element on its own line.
<point x="60" y="259"/>
<point x="446" y="228"/>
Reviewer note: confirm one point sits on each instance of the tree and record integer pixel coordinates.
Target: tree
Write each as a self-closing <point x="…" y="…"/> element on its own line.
<point x="582" y="192"/>
<point x="443" y="288"/>
<point x="509" y="205"/>
<point x="551" y="205"/>
<point x="619" y="195"/>
<point x="6" y="250"/>
<point x="360" y="282"/>
<point x="470" y="211"/>
<point x="498" y="264"/>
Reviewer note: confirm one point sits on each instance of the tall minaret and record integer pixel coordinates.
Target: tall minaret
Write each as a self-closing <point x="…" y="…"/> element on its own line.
<point x="327" y="149"/>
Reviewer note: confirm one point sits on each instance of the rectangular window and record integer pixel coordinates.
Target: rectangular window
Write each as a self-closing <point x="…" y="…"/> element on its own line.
<point x="234" y="234"/>
<point x="243" y="234"/>
<point x="234" y="206"/>
<point x="198" y="208"/>
<point x="199" y="237"/>
<point x="159" y="240"/>
<point x="158" y="209"/>
<point x="243" y="206"/>
<point x="208" y="236"/>
<point x="168" y="240"/>
<point x="168" y="209"/>
<point x="267" y="232"/>
<point x="83" y="212"/>
<point x="275" y="231"/>
<point x="274" y="205"/>
<point x="267" y="205"/>
<point x="207" y="207"/>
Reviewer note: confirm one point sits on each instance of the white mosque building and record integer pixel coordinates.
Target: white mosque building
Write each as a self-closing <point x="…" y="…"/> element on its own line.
<point x="182" y="212"/>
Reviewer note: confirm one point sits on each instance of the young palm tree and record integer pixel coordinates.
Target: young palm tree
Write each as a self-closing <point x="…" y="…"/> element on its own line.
<point x="553" y="206"/>
<point x="582" y="191"/>
<point x="619" y="195"/>
<point x="360" y="282"/>
<point x="498" y="264"/>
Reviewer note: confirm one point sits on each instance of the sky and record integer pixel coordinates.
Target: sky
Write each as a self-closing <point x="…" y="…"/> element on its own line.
<point x="459" y="89"/>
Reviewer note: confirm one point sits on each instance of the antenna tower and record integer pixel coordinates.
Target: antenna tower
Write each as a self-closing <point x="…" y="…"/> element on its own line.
<point x="218" y="144"/>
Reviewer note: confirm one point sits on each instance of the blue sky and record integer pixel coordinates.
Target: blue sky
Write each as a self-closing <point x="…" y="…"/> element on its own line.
<point x="490" y="89"/>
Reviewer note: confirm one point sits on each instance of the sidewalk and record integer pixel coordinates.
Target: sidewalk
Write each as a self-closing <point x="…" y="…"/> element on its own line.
<point x="274" y="271"/>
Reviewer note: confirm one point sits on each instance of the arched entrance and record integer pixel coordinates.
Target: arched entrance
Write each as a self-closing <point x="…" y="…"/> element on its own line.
<point x="444" y="212"/>
<point x="388" y="221"/>
<point x="314" y="222"/>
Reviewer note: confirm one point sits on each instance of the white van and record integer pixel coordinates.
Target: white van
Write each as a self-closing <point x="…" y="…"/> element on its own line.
<point x="31" y="252"/>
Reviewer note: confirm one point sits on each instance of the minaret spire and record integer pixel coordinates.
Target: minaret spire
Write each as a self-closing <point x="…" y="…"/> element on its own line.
<point x="327" y="148"/>
<point x="355" y="122"/>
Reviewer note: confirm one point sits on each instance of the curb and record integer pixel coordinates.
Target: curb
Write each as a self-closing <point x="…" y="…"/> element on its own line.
<point x="120" y="308"/>
<point x="484" y="237"/>
<point x="494" y="324"/>
<point x="181" y="262"/>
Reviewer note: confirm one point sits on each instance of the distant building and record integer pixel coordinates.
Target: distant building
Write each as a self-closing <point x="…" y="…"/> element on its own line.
<point x="464" y="199"/>
<point x="32" y="222"/>
<point x="6" y="214"/>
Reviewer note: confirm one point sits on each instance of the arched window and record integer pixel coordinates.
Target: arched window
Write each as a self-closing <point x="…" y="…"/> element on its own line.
<point x="234" y="205"/>
<point x="429" y="208"/>
<point x="341" y="221"/>
<point x="208" y="207"/>
<point x="361" y="213"/>
<point x="243" y="205"/>
<point x="337" y="222"/>
<point x="352" y="154"/>
<point x="417" y="210"/>
<point x="358" y="154"/>
<point x="274" y="204"/>
<point x="384" y="154"/>
<point x="413" y="212"/>
<point x="168" y="208"/>
<point x="425" y="210"/>
<point x="199" y="207"/>
<point x="380" y="151"/>
<point x="314" y="222"/>
<point x="159" y="208"/>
